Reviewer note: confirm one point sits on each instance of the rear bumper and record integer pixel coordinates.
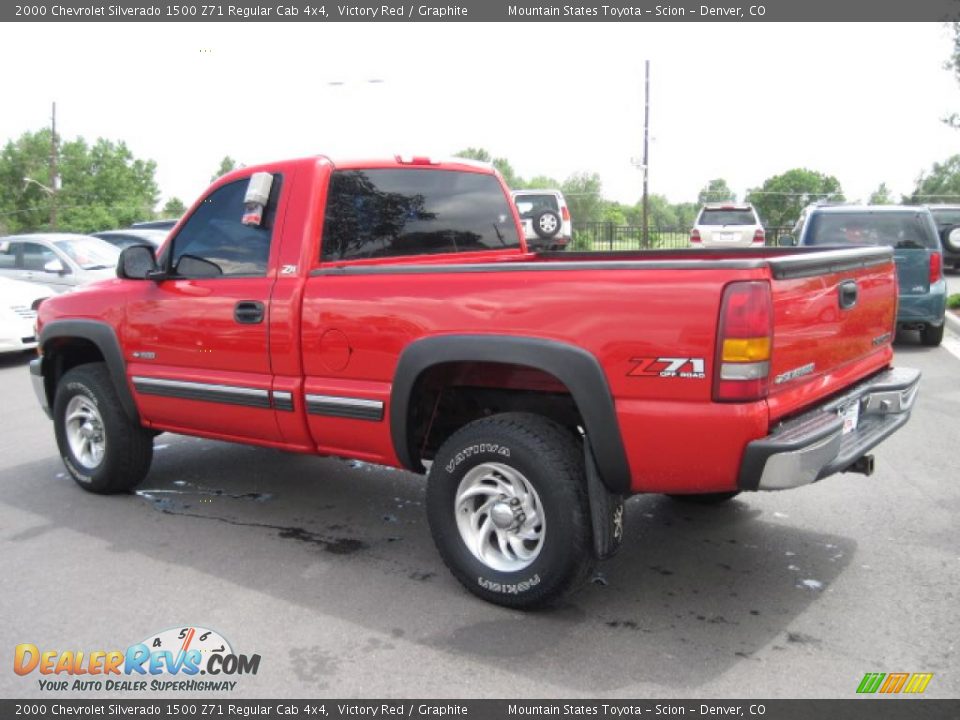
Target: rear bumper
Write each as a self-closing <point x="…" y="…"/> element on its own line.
<point x="927" y="308"/>
<point x="812" y="446"/>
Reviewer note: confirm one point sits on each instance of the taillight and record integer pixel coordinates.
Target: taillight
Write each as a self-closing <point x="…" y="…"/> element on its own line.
<point x="936" y="267"/>
<point x="759" y="237"/>
<point x="694" y="236"/>
<point x="564" y="213"/>
<point x="744" y="341"/>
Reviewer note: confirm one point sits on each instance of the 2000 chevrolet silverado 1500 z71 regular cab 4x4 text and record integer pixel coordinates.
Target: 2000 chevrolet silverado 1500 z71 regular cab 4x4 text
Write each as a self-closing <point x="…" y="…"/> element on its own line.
<point x="389" y="311"/>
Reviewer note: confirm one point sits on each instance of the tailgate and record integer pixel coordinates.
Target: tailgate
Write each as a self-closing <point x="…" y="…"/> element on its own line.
<point x="834" y="319"/>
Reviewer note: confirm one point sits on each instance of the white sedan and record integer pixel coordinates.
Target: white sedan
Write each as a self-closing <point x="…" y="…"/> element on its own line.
<point x="18" y="312"/>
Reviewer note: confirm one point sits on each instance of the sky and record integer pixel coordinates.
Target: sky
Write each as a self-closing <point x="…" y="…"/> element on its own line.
<point x="742" y="102"/>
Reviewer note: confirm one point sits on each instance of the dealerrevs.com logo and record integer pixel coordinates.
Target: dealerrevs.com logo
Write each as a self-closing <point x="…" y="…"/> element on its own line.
<point x="172" y="660"/>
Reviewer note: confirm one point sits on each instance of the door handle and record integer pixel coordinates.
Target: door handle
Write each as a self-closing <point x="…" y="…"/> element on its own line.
<point x="248" y="312"/>
<point x="848" y="294"/>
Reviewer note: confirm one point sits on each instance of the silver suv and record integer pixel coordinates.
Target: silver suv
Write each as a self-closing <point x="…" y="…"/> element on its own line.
<point x="545" y="217"/>
<point x="727" y="225"/>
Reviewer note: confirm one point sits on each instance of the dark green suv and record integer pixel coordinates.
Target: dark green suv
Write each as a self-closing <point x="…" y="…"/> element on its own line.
<point x="912" y="234"/>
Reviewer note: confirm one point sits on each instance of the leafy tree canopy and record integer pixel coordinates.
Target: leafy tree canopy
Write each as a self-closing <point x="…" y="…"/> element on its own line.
<point x="716" y="191"/>
<point x="781" y="197"/>
<point x="953" y="65"/>
<point x="583" y="194"/>
<point x="174" y="207"/>
<point x="940" y="184"/>
<point x="102" y="185"/>
<point x="228" y="164"/>
<point x="881" y="196"/>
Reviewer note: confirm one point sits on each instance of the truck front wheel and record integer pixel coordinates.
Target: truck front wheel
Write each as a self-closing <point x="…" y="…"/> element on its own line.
<point x="103" y="450"/>
<point x="508" y="510"/>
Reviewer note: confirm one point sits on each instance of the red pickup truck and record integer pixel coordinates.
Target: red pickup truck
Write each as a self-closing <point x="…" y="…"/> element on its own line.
<point x="390" y="311"/>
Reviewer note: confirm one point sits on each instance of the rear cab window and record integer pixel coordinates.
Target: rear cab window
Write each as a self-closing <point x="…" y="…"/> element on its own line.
<point x="743" y="216"/>
<point x="399" y="212"/>
<point x="898" y="230"/>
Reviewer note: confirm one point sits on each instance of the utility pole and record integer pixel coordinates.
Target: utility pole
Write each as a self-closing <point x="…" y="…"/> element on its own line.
<point x="54" y="177"/>
<point x="646" y="157"/>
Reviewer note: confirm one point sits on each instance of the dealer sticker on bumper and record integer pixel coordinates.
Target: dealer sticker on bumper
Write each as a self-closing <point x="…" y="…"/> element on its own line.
<point x="850" y="416"/>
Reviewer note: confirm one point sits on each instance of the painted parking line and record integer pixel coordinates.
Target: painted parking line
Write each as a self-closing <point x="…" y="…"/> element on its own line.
<point x="952" y="345"/>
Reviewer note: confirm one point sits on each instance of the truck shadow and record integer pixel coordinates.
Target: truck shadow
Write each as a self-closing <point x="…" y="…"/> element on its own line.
<point x="695" y="591"/>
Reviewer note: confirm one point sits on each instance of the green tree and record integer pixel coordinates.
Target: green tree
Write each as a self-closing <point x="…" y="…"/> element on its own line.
<point x="781" y="197"/>
<point x="716" y="191"/>
<point x="542" y="181"/>
<point x="953" y="65"/>
<point x="174" y="207"/>
<point x="939" y="184"/>
<point x="583" y="194"/>
<point x="686" y="214"/>
<point x="502" y="165"/>
<point x="228" y="164"/>
<point x="881" y="196"/>
<point x="615" y="213"/>
<point x="103" y="185"/>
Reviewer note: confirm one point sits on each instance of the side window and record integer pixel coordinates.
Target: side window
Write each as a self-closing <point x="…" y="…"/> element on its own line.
<point x="397" y="212"/>
<point x="215" y="243"/>
<point x="8" y="255"/>
<point x="35" y="256"/>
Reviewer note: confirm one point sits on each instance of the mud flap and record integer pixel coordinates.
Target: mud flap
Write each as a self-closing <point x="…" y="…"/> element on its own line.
<point x="606" y="510"/>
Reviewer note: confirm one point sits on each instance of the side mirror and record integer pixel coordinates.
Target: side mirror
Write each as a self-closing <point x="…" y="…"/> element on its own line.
<point x="54" y="266"/>
<point x="136" y="262"/>
<point x="786" y="241"/>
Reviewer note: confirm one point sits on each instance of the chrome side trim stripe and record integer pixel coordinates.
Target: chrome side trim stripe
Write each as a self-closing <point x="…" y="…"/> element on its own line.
<point x="345" y="407"/>
<point x="282" y="400"/>
<point x="206" y="392"/>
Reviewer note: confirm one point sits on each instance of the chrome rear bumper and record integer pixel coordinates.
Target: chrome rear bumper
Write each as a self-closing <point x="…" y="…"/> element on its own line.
<point x="814" y="445"/>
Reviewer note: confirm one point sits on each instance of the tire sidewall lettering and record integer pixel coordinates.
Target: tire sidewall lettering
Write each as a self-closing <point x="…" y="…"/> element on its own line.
<point x="501" y="451"/>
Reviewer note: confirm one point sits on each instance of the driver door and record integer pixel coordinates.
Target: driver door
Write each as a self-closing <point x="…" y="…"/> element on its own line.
<point x="196" y="343"/>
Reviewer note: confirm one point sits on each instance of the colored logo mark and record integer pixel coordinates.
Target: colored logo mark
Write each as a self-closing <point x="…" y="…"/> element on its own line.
<point x="889" y="683"/>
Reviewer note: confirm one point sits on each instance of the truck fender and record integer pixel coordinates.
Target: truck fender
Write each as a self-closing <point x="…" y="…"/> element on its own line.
<point x="104" y="338"/>
<point x="576" y="368"/>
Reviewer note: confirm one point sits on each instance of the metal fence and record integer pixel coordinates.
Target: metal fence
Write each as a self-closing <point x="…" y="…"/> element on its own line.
<point x="605" y="236"/>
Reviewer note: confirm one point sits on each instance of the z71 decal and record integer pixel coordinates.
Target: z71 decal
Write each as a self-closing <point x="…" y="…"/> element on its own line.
<point x="678" y="367"/>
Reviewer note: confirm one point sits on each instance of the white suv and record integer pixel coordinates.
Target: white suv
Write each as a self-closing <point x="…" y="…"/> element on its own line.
<point x="726" y="225"/>
<point x="545" y="217"/>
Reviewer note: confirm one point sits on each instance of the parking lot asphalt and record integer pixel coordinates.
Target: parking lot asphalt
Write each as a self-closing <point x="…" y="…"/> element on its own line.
<point x="326" y="569"/>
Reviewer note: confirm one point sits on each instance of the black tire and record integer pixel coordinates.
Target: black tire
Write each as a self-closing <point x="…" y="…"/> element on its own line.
<point x="547" y="458"/>
<point x="546" y="224"/>
<point x="125" y="448"/>
<point x="705" y="498"/>
<point x="932" y="335"/>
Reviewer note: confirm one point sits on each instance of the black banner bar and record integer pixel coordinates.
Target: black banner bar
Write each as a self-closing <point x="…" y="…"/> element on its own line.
<point x="188" y="709"/>
<point x="319" y="11"/>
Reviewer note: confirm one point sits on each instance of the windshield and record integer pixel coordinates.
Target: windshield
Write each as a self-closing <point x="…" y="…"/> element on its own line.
<point x="529" y="205"/>
<point x="896" y="230"/>
<point x="90" y="253"/>
<point x="727" y="217"/>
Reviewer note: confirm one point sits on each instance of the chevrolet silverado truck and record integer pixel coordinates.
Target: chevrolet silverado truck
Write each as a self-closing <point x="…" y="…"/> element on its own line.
<point x="390" y="311"/>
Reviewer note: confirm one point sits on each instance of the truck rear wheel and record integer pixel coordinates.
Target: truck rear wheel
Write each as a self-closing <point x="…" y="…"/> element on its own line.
<point x="508" y="510"/>
<point x="103" y="450"/>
